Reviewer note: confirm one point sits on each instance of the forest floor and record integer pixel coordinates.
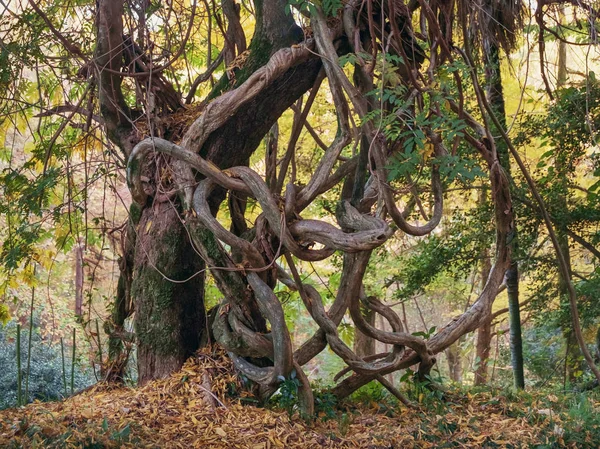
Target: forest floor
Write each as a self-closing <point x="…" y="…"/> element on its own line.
<point x="171" y="413"/>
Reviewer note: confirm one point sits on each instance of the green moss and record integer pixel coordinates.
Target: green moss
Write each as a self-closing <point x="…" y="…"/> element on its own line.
<point x="158" y="336"/>
<point x="208" y="244"/>
<point x="158" y="329"/>
<point x="135" y="213"/>
<point x="260" y="52"/>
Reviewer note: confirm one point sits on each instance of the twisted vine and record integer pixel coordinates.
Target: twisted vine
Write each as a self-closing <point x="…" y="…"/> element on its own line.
<point x="245" y="264"/>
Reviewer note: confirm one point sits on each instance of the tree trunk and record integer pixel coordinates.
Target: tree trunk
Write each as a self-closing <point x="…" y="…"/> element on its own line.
<point x="78" y="280"/>
<point x="169" y="308"/>
<point x="167" y="291"/>
<point x="561" y="76"/>
<point x="496" y="100"/>
<point x="484" y="340"/>
<point x="514" y="313"/>
<point x="363" y="344"/>
<point x="484" y="333"/>
<point x="573" y="362"/>
<point x="454" y="362"/>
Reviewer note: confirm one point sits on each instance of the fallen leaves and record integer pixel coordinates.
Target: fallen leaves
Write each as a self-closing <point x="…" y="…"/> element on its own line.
<point x="171" y="413"/>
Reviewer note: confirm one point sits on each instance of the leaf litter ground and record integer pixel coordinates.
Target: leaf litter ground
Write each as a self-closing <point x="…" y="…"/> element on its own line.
<point x="186" y="411"/>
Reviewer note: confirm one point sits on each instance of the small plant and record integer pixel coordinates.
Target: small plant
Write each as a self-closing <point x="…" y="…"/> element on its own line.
<point x="344" y="424"/>
<point x="287" y="397"/>
<point x="325" y="405"/>
<point x="372" y="392"/>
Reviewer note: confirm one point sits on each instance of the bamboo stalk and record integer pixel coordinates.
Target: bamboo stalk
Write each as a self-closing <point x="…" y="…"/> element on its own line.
<point x="73" y="364"/>
<point x="99" y="343"/>
<point x="64" y="375"/>
<point x="18" y="365"/>
<point x="29" y="345"/>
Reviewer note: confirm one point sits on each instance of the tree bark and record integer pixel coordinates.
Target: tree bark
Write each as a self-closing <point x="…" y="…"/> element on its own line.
<point x="572" y="353"/>
<point x="78" y="280"/>
<point x="496" y="100"/>
<point x="514" y="313"/>
<point x="561" y="76"/>
<point x="484" y="340"/>
<point x="363" y="344"/>
<point x="454" y="362"/>
<point x="169" y="318"/>
<point x="167" y="292"/>
<point x="484" y="333"/>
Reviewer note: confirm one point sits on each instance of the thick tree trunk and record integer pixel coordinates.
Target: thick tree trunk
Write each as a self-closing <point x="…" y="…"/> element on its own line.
<point x="168" y="293"/>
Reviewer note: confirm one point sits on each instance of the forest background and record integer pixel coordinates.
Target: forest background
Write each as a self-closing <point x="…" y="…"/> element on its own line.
<point x="388" y="127"/>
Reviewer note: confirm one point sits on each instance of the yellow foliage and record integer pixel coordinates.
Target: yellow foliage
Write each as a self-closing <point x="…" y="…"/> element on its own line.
<point x="4" y="314"/>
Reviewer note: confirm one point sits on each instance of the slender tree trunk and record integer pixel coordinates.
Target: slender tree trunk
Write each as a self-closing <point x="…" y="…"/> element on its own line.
<point x="496" y="100"/>
<point x="573" y="354"/>
<point x="514" y="314"/>
<point x="484" y="333"/>
<point x="363" y="344"/>
<point x="454" y="362"/>
<point x="561" y="76"/>
<point x="573" y="362"/>
<point x="78" y="280"/>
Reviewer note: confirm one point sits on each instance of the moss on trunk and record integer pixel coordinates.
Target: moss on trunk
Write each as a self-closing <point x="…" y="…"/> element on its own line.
<point x="170" y="315"/>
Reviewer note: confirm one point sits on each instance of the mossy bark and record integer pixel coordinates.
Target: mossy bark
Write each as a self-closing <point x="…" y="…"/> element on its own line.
<point x="168" y="291"/>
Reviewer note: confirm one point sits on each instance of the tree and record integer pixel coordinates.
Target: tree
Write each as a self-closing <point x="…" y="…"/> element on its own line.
<point x="495" y="96"/>
<point x="416" y="134"/>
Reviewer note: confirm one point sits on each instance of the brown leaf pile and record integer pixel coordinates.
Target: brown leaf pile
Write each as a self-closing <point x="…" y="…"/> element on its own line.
<point x="176" y="413"/>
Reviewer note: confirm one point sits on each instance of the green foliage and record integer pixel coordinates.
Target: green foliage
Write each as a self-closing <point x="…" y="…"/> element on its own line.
<point x="4" y="314"/>
<point x="325" y="405"/>
<point x="287" y="395"/>
<point x="371" y="392"/>
<point x="455" y="252"/>
<point x="330" y="7"/>
<point x="301" y="5"/>
<point x="108" y="435"/>
<point x="567" y="174"/>
<point x="45" y="377"/>
<point x="426" y="335"/>
<point x="542" y="356"/>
